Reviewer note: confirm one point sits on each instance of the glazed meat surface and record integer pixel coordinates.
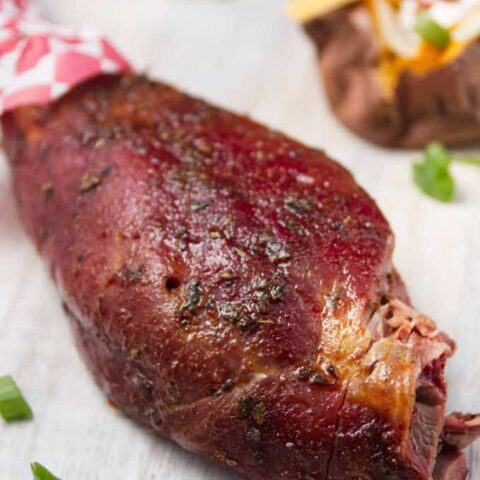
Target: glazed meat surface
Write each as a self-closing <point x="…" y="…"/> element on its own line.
<point x="230" y="288"/>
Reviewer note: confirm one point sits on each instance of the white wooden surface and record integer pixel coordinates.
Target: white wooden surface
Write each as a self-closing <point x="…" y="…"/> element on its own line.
<point x="246" y="55"/>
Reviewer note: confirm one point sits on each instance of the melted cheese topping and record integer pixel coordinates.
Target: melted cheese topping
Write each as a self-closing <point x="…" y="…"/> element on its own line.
<point x="426" y="57"/>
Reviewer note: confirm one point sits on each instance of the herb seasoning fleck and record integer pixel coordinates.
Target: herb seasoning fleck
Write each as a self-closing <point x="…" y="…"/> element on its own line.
<point x="258" y="456"/>
<point x="277" y="292"/>
<point x="338" y="226"/>
<point x="48" y="190"/>
<point x="228" y="314"/>
<point x="99" y="143"/>
<point x="290" y="224"/>
<point x="132" y="275"/>
<point x="191" y="302"/>
<point x="193" y="296"/>
<point x="253" y="434"/>
<point x="258" y="413"/>
<point x="294" y="206"/>
<point x="265" y="321"/>
<point x="331" y="370"/>
<point x="202" y="146"/>
<point x="196" y="207"/>
<point x="247" y="323"/>
<point x="277" y="252"/>
<point x="303" y="373"/>
<point x="244" y="407"/>
<point x="227" y="385"/>
<point x="89" y="182"/>
<point x="334" y="299"/>
<point x="215" y="234"/>
<point x="240" y="252"/>
<point x="319" y="379"/>
<point x="226" y="276"/>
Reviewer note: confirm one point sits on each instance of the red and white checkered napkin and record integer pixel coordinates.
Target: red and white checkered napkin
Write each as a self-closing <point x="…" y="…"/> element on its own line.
<point x="40" y="62"/>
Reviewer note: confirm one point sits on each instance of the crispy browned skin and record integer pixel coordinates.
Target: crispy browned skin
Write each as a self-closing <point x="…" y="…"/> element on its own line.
<point x="442" y="105"/>
<point x="229" y="288"/>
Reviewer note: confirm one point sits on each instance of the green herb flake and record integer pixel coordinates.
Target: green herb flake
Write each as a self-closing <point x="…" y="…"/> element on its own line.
<point x="228" y="314"/>
<point x="244" y="407"/>
<point x="258" y="413"/>
<point x="258" y="456"/>
<point x="277" y="292"/>
<point x="241" y="253"/>
<point x="277" y="252"/>
<point x="132" y="275"/>
<point x="226" y="276"/>
<point x="193" y="297"/>
<point x="469" y="160"/>
<point x="265" y="321"/>
<point x="253" y="434"/>
<point x="247" y="323"/>
<point x="294" y="206"/>
<point x="12" y="404"/>
<point x="431" y="31"/>
<point x="290" y="224"/>
<point x="191" y="302"/>
<point x="41" y="473"/>
<point x="90" y="181"/>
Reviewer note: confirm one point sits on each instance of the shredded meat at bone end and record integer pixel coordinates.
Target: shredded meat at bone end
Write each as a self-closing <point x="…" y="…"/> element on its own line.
<point x="232" y="289"/>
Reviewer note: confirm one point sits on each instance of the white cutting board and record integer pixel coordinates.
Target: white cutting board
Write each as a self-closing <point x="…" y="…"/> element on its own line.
<point x="245" y="55"/>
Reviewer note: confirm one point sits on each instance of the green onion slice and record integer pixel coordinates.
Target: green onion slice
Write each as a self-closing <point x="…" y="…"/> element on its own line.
<point x="431" y="31"/>
<point x="469" y="160"/>
<point x="12" y="404"/>
<point x="41" y="473"/>
<point x="432" y="174"/>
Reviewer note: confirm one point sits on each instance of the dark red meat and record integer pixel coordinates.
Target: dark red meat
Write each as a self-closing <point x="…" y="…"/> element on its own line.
<point x="450" y="465"/>
<point x="229" y="287"/>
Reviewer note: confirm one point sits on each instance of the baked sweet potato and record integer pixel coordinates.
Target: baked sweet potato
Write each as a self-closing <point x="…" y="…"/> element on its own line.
<point x="399" y="91"/>
<point x="232" y="289"/>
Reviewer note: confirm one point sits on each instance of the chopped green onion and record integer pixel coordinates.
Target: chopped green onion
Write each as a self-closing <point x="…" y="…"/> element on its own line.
<point x="432" y="175"/>
<point x="437" y="154"/>
<point x="41" y="473"/>
<point x="469" y="160"/>
<point x="431" y="31"/>
<point x="12" y="404"/>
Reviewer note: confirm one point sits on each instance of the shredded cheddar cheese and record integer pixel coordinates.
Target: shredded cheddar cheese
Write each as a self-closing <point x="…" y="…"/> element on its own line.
<point x="427" y="58"/>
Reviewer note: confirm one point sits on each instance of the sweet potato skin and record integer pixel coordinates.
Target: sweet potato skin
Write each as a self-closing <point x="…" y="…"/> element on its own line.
<point x="442" y="105"/>
<point x="205" y="261"/>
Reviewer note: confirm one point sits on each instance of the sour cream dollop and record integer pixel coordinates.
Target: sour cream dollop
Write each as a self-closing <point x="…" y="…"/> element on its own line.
<point x="447" y="13"/>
